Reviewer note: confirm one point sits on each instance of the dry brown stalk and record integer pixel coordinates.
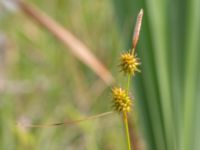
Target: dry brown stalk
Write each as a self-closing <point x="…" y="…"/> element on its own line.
<point x="76" y="47"/>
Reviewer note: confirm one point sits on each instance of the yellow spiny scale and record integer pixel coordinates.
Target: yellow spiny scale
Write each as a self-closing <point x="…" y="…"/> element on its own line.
<point x="121" y="100"/>
<point x="129" y="63"/>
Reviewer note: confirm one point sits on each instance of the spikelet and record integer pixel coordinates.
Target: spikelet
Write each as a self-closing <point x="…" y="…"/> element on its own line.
<point x="129" y="63"/>
<point x="136" y="32"/>
<point x="121" y="100"/>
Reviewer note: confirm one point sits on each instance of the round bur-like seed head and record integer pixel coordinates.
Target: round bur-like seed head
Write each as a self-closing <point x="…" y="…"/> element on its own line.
<point x="129" y="63"/>
<point x="121" y="100"/>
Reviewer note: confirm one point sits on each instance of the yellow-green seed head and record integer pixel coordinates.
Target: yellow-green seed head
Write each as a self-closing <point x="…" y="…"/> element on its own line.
<point x="129" y="63"/>
<point x="121" y="100"/>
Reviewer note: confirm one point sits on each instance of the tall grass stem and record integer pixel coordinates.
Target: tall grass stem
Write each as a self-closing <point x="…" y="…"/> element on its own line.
<point x="125" y="117"/>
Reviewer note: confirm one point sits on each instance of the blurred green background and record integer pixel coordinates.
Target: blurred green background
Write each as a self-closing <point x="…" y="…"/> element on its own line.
<point x="40" y="82"/>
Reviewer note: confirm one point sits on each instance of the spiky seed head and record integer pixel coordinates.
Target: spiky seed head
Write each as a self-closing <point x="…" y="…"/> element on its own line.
<point x="129" y="63"/>
<point x="121" y="100"/>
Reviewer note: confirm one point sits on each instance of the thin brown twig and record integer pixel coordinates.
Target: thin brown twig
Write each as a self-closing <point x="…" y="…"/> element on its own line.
<point x="68" y="122"/>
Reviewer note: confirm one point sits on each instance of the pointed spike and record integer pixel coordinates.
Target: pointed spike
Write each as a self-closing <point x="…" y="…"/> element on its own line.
<point x="136" y="32"/>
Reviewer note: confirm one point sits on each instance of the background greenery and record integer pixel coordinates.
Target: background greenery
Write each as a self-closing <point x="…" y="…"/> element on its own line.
<point x="46" y="84"/>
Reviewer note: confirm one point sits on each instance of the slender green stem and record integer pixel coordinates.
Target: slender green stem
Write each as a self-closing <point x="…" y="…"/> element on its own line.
<point x="125" y="117"/>
<point x="128" y="83"/>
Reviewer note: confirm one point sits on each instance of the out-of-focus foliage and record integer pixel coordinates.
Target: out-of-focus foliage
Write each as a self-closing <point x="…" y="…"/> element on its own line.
<point x="43" y="83"/>
<point x="168" y="89"/>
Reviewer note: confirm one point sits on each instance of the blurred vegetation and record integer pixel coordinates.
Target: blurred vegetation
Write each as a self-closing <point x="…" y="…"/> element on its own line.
<point x="46" y="84"/>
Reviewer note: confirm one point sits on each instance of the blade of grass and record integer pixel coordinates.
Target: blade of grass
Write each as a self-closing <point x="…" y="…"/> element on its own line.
<point x="197" y="118"/>
<point x="191" y="74"/>
<point x="177" y="49"/>
<point x="157" y="13"/>
<point x="151" y="86"/>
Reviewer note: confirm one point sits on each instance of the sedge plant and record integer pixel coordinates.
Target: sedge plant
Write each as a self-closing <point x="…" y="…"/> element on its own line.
<point x="122" y="102"/>
<point x="129" y="66"/>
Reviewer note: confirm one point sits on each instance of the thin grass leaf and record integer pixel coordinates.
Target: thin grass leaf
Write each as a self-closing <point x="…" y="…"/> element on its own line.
<point x="191" y="72"/>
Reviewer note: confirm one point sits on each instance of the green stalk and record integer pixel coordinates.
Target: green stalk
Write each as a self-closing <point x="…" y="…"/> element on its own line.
<point x="125" y="117"/>
<point x="128" y="83"/>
